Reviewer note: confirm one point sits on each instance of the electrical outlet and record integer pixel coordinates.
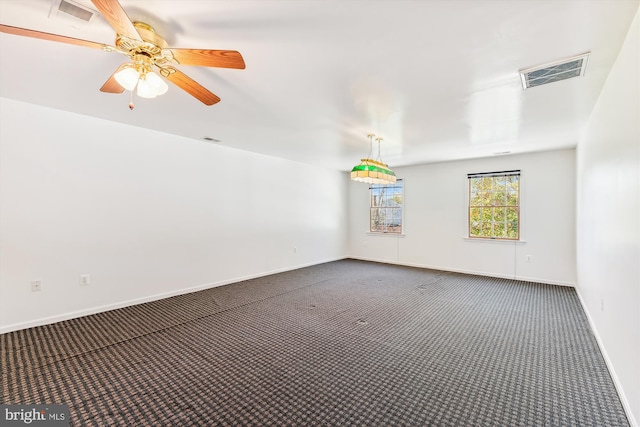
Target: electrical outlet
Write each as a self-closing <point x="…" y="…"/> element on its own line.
<point x="36" y="285"/>
<point x="529" y="258"/>
<point x="85" y="280"/>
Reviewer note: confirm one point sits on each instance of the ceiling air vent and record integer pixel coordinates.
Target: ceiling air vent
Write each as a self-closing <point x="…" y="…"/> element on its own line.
<point x="209" y="139"/>
<point x="73" y="9"/>
<point x="554" y="72"/>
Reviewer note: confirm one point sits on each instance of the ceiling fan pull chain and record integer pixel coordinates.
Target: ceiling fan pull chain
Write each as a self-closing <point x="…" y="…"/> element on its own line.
<point x="131" y="106"/>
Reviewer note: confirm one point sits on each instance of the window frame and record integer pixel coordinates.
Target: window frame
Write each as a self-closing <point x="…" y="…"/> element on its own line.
<point x="372" y="207"/>
<point x="493" y="206"/>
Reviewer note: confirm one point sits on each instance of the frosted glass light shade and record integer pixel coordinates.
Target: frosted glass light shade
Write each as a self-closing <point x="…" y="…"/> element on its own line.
<point x="159" y="86"/>
<point x="145" y="90"/>
<point x="127" y="78"/>
<point x="151" y="85"/>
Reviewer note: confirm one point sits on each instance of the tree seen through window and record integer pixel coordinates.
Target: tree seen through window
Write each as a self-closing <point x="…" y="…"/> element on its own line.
<point x="385" y="213"/>
<point x="494" y="205"/>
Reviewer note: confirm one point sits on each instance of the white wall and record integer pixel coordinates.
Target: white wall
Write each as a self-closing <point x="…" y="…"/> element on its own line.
<point x="608" y="217"/>
<point x="145" y="214"/>
<point x="436" y="217"/>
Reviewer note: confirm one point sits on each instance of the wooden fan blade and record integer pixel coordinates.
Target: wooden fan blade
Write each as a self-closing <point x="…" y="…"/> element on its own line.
<point x="52" y="37"/>
<point x="190" y="86"/>
<point x="111" y="85"/>
<point x="117" y="17"/>
<point x="209" y="58"/>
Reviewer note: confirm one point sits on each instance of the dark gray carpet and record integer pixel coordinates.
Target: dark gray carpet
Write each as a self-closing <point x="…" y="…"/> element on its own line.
<point x="339" y="344"/>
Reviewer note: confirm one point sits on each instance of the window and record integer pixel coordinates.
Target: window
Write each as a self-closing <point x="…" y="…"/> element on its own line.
<point x="385" y="212"/>
<point x="494" y="205"/>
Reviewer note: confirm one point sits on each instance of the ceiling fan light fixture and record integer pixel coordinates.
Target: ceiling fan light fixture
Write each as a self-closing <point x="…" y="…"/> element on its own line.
<point x="149" y="83"/>
<point x="127" y="78"/>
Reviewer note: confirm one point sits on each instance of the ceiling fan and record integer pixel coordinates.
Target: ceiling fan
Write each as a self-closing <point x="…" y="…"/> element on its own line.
<point x="147" y="50"/>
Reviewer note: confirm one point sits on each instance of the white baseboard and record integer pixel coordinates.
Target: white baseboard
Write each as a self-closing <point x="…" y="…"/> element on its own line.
<point x="607" y="361"/>
<point x="473" y="272"/>
<point x="100" y="309"/>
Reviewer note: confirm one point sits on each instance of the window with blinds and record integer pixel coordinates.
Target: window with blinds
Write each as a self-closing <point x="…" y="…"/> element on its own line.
<point x="494" y="205"/>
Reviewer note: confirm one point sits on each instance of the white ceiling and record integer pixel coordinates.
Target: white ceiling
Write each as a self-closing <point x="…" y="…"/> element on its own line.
<point x="437" y="79"/>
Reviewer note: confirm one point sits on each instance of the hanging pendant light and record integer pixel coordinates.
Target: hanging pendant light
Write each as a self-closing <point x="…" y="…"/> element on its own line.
<point x="373" y="171"/>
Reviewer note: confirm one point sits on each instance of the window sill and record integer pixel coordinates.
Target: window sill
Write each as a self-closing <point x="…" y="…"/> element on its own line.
<point x="501" y="241"/>
<point x="370" y="233"/>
